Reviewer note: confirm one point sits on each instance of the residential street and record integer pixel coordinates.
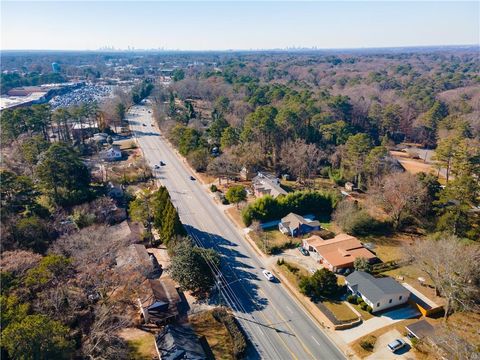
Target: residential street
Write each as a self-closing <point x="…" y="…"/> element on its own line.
<point x="276" y="324"/>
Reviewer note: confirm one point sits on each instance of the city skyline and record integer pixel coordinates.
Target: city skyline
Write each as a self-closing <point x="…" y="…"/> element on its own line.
<point x="255" y="25"/>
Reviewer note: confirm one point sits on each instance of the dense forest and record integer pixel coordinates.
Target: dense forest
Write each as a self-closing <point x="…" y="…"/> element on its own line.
<point x="338" y="116"/>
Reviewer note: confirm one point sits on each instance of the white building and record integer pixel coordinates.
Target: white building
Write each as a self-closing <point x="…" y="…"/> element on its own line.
<point x="378" y="293"/>
<point x="113" y="154"/>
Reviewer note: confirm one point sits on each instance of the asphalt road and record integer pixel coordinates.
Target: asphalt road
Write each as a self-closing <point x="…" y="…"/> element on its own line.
<point x="276" y="324"/>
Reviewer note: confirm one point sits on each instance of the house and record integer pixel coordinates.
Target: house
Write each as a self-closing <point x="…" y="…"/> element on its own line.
<point x="179" y="342"/>
<point x="266" y="184"/>
<point x="337" y="253"/>
<point x="378" y="293"/>
<point x="113" y="154"/>
<point x="247" y="174"/>
<point x="349" y="186"/>
<point x="159" y="300"/>
<point x="136" y="258"/>
<point x="295" y="225"/>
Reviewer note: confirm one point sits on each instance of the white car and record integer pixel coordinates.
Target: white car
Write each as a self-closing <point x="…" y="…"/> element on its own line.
<point x="396" y="345"/>
<point x="268" y="275"/>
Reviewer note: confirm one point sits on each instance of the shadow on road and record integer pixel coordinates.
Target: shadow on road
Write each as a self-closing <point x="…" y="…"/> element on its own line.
<point x="237" y="282"/>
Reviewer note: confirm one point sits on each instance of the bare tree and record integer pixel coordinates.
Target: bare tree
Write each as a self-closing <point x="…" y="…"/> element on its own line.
<point x="103" y="341"/>
<point x="301" y="159"/>
<point x="400" y="195"/>
<point x="452" y="267"/>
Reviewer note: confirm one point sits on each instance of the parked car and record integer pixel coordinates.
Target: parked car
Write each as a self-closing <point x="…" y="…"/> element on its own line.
<point x="303" y="251"/>
<point x="156" y="166"/>
<point x="192" y="178"/>
<point x="396" y="345"/>
<point x="144" y="124"/>
<point x="268" y="275"/>
<point x="162" y="163"/>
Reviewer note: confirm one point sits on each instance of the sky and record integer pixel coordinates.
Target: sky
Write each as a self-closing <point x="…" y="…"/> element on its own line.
<point x="224" y="25"/>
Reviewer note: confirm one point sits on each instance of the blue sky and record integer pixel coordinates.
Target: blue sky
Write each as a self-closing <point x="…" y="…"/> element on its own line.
<point x="221" y="25"/>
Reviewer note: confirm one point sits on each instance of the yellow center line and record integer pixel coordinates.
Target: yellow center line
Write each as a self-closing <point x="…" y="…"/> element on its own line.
<point x="286" y="323"/>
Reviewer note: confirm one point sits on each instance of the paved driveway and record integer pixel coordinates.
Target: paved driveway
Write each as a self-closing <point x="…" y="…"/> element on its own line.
<point x="382" y="352"/>
<point x="378" y="322"/>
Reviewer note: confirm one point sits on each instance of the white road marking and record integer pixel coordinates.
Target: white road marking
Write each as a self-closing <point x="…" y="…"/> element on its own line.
<point x="315" y="340"/>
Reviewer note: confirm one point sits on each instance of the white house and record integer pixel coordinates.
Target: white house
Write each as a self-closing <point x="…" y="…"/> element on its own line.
<point x="113" y="154"/>
<point x="378" y="293"/>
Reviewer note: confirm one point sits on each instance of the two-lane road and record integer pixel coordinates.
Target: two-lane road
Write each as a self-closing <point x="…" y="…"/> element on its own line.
<point x="277" y="325"/>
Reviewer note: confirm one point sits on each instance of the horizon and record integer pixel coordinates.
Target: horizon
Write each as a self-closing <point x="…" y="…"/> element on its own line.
<point x="256" y="26"/>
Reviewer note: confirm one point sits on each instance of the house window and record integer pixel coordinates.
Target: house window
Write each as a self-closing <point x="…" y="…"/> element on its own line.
<point x="400" y="297"/>
<point x="390" y="301"/>
<point x="378" y="304"/>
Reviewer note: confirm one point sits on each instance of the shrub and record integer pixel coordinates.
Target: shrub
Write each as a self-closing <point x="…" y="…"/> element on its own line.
<point x="368" y="343"/>
<point x="356" y="221"/>
<point x="352" y="299"/>
<point x="238" y="338"/>
<point x="369" y="309"/>
<point x="280" y="261"/>
<point x="213" y="188"/>
<point x="359" y="300"/>
<point x="267" y="208"/>
<point x="364" y="306"/>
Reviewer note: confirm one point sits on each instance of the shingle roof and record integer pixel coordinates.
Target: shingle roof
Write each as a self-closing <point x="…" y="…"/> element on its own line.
<point x="176" y="342"/>
<point x="342" y="250"/>
<point x="373" y="288"/>
<point x="293" y="221"/>
<point x="421" y="329"/>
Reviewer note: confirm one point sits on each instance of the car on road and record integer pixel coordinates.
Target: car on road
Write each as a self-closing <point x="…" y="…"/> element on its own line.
<point x="192" y="178"/>
<point x="156" y="166"/>
<point x="303" y="251"/>
<point x="144" y="124"/>
<point x="162" y="163"/>
<point x="396" y="345"/>
<point x="268" y="275"/>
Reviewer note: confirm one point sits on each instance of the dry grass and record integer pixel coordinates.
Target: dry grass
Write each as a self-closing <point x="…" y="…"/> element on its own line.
<point x="236" y="216"/>
<point x="340" y="310"/>
<point x="467" y="325"/>
<point x="141" y="344"/>
<point x="215" y="332"/>
<point x="365" y="314"/>
<point x="273" y="239"/>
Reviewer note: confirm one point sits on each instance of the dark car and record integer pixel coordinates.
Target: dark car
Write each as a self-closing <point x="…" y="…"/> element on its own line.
<point x="162" y="163"/>
<point x="303" y="251"/>
<point x="192" y="178"/>
<point x="144" y="124"/>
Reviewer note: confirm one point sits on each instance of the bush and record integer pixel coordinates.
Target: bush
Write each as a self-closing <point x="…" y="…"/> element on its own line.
<point x="267" y="208"/>
<point x="238" y="338"/>
<point x="280" y="261"/>
<point x="364" y="306"/>
<point x="359" y="300"/>
<point x="369" y="309"/>
<point x="213" y="188"/>
<point x="368" y="343"/>
<point x="352" y="299"/>
<point x="356" y="221"/>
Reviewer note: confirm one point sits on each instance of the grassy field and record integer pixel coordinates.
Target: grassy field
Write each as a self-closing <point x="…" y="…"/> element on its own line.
<point x="141" y="344"/>
<point x="215" y="332"/>
<point x="271" y="241"/>
<point x="340" y="310"/>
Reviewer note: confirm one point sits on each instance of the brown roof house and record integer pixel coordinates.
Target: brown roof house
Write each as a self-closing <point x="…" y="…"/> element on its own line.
<point x="337" y="253"/>
<point x="296" y="225"/>
<point x="266" y="184"/>
<point x="159" y="300"/>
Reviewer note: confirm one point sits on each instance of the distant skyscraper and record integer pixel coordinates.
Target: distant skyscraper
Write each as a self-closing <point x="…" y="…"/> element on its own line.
<point x="55" y="67"/>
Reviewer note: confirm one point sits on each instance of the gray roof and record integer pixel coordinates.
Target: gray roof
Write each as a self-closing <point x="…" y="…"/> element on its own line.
<point x="293" y="221"/>
<point x="177" y="342"/>
<point x="373" y="288"/>
<point x="421" y="329"/>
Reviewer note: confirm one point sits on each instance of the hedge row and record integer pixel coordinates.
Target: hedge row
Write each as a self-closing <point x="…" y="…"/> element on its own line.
<point x="236" y="334"/>
<point x="266" y="208"/>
